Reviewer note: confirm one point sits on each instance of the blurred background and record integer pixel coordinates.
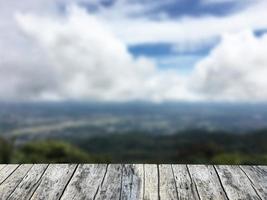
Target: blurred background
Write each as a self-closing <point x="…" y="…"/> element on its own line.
<point x="133" y="133"/>
<point x="133" y="81"/>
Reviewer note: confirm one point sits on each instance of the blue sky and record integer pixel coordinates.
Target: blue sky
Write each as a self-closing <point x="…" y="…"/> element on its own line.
<point x="165" y="54"/>
<point x="178" y="8"/>
<point x="167" y="57"/>
<point x="124" y="50"/>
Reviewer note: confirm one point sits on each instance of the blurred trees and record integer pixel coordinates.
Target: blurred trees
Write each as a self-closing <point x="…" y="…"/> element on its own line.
<point x="191" y="146"/>
<point x="5" y="151"/>
<point x="51" y="152"/>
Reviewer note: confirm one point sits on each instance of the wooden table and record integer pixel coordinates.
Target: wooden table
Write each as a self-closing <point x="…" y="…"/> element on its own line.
<point x="132" y="181"/>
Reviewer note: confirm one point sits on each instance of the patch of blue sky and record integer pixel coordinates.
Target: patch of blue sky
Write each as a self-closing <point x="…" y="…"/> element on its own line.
<point x="163" y="49"/>
<point x="183" y="64"/>
<point x="261" y="32"/>
<point x="175" y="8"/>
<point x="167" y="56"/>
<point x="93" y="6"/>
<point x="195" y="8"/>
<point x="107" y="3"/>
<point x="151" y="50"/>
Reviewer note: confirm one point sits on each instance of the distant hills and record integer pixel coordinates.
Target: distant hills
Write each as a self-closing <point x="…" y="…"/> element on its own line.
<point x="134" y="132"/>
<point x="66" y="118"/>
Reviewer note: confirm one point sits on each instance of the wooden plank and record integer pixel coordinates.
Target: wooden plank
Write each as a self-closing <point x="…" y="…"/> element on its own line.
<point x="54" y="181"/>
<point x="29" y="183"/>
<point x="236" y="183"/>
<point x="111" y="186"/>
<point x="85" y="182"/>
<point x="2" y="166"/>
<point x="6" y="171"/>
<point x="9" y="185"/>
<point x="207" y="182"/>
<point x="264" y="167"/>
<point x="151" y="189"/>
<point x="132" y="182"/>
<point x="167" y="183"/>
<point x="185" y="187"/>
<point x="258" y="177"/>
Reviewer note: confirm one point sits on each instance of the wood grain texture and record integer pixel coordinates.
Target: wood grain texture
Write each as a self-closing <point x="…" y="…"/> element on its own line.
<point x="2" y="166"/>
<point x="132" y="182"/>
<point x="186" y="189"/>
<point x="236" y="183"/>
<point x="53" y="182"/>
<point x="151" y="189"/>
<point x="6" y="171"/>
<point x="10" y="184"/>
<point x="111" y="186"/>
<point x="29" y="183"/>
<point x="85" y="182"/>
<point x="167" y="183"/>
<point x="207" y="182"/>
<point x="258" y="177"/>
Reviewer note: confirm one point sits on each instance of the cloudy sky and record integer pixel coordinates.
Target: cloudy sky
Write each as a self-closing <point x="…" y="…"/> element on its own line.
<point x="124" y="50"/>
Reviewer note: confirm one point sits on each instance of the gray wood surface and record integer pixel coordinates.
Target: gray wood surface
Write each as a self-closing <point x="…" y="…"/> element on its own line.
<point x="85" y="182"/>
<point x="167" y="183"/>
<point x="2" y="166"/>
<point x="207" y="182"/>
<point x="132" y="181"/>
<point x="258" y="177"/>
<point x="236" y="183"/>
<point x="54" y="182"/>
<point x="29" y="183"/>
<point x="151" y="189"/>
<point x="111" y="186"/>
<point x="10" y="184"/>
<point x="6" y="171"/>
<point x="186" y="189"/>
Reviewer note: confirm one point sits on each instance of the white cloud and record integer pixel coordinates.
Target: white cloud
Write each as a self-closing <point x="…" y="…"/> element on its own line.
<point x="187" y="30"/>
<point x="236" y="69"/>
<point x="85" y="61"/>
<point x="77" y="55"/>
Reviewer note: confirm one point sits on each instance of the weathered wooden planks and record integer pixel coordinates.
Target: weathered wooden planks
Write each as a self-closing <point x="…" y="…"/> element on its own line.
<point x="207" y="182"/>
<point x="2" y="166"/>
<point x="85" y="182"/>
<point x="236" y="183"/>
<point x="167" y="183"/>
<point x="132" y="181"/>
<point x="151" y="189"/>
<point x="6" y="171"/>
<point x="10" y="184"/>
<point x="186" y="189"/>
<point x="111" y="186"/>
<point x="29" y="183"/>
<point x="258" y="177"/>
<point x="54" y="181"/>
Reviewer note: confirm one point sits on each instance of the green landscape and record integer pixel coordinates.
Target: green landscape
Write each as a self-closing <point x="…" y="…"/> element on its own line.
<point x="195" y="146"/>
<point x="133" y="133"/>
